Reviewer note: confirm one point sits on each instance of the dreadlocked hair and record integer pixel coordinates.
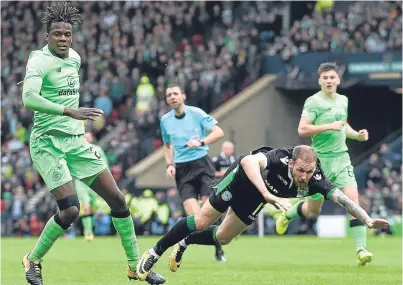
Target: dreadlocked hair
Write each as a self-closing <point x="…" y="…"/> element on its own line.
<point x="61" y="12"/>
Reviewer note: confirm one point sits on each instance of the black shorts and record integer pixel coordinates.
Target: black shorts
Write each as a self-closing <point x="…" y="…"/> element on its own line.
<point x="239" y="193"/>
<point x="192" y="178"/>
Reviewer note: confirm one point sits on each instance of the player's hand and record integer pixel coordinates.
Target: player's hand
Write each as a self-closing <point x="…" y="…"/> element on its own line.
<point x="377" y="224"/>
<point x="193" y="143"/>
<point x="276" y="202"/>
<point x="170" y="172"/>
<point x="362" y="135"/>
<point x="83" y="113"/>
<point x="336" y="126"/>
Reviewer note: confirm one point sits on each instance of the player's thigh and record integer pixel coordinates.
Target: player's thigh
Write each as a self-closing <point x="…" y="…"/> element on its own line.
<point x="50" y="161"/>
<point x="230" y="228"/>
<point x="191" y="206"/>
<point x="83" y="161"/>
<point x="206" y="216"/>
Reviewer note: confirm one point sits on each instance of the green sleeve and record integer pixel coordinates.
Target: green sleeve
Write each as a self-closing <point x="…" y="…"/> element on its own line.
<point x="32" y="87"/>
<point x="310" y="110"/>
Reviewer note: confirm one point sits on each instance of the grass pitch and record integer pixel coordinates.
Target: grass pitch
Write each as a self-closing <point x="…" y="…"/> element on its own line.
<point x="273" y="260"/>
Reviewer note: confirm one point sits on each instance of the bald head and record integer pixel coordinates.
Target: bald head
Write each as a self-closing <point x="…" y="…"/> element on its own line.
<point x="227" y="148"/>
<point x="305" y="153"/>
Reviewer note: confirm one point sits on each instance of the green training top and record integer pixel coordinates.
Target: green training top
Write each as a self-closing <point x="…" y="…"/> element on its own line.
<point x="51" y="84"/>
<point x="323" y="110"/>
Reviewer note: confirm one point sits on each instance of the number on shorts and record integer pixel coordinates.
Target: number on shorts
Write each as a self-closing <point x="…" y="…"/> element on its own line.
<point x="350" y="172"/>
<point x="97" y="155"/>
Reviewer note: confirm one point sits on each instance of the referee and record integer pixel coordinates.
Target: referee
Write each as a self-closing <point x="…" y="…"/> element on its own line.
<point x="186" y="149"/>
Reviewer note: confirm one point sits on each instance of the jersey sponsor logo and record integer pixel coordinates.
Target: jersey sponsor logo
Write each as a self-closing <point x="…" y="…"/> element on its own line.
<point x="317" y="176"/>
<point x="226" y="196"/>
<point x="282" y="179"/>
<point x="269" y="186"/>
<point x="68" y="92"/>
<point x="71" y="81"/>
<point x="285" y="160"/>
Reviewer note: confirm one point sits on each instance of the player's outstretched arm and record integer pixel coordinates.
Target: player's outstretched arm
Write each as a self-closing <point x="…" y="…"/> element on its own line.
<point x="306" y="128"/>
<point x="355" y="210"/>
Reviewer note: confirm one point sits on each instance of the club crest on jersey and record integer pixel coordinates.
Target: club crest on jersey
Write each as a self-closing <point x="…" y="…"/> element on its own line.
<point x="284" y="160"/>
<point x="226" y="196"/>
<point x="71" y="81"/>
<point x="338" y="116"/>
<point x="317" y="176"/>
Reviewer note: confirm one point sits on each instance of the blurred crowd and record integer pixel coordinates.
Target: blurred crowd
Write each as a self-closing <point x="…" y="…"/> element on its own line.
<point x="371" y="27"/>
<point x="131" y="50"/>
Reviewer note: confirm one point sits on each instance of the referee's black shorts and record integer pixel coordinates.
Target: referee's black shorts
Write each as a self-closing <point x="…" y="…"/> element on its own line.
<point x="192" y="178"/>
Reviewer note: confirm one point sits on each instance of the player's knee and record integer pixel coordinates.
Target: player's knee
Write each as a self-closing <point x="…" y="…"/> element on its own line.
<point x="69" y="209"/>
<point x="222" y="239"/>
<point x="119" y="203"/>
<point x="87" y="209"/>
<point x="68" y="216"/>
<point x="201" y="223"/>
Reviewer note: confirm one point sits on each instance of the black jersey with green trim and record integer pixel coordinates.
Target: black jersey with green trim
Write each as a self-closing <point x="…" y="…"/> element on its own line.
<point x="278" y="179"/>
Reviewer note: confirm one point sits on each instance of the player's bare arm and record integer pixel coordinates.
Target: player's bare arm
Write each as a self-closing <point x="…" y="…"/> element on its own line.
<point x="361" y="135"/>
<point x="252" y="164"/>
<point x="306" y="128"/>
<point x="355" y="210"/>
<point x="168" y="155"/>
<point x="215" y="134"/>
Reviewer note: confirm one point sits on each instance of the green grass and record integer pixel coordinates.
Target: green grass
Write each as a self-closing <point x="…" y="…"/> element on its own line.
<point x="251" y="261"/>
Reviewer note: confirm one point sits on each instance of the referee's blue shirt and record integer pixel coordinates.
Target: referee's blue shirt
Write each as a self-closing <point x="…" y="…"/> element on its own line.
<point x="178" y="131"/>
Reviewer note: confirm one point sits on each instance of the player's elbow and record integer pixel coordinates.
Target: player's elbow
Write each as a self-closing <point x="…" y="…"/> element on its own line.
<point x="246" y="161"/>
<point x="303" y="132"/>
<point x="219" y="133"/>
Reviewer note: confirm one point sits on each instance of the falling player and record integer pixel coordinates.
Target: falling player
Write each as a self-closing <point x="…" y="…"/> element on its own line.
<point x="261" y="177"/>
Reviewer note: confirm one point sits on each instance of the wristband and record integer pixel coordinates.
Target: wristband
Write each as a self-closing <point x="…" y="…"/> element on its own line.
<point x="202" y="143"/>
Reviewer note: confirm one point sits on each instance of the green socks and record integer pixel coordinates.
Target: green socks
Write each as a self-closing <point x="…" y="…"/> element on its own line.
<point x="359" y="233"/>
<point x="50" y="234"/>
<point x="295" y="211"/>
<point x="125" y="228"/>
<point x="87" y="225"/>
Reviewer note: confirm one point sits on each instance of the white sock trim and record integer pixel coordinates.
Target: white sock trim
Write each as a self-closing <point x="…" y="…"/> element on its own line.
<point x="152" y="252"/>
<point x="182" y="243"/>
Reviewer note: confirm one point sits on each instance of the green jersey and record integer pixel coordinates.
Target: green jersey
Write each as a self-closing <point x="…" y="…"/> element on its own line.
<point x="56" y="80"/>
<point x="323" y="110"/>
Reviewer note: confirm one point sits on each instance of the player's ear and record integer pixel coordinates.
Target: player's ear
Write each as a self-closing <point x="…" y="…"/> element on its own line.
<point x="184" y="96"/>
<point x="290" y="163"/>
<point x="338" y="80"/>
